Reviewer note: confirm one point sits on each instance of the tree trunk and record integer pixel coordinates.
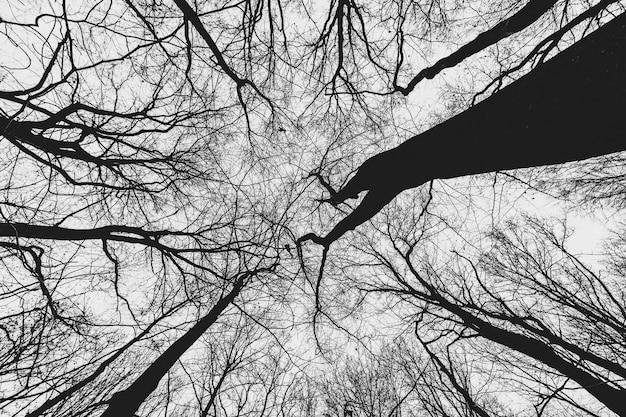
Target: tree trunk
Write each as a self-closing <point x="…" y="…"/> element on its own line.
<point x="126" y="403"/>
<point x="573" y="107"/>
<point x="614" y="399"/>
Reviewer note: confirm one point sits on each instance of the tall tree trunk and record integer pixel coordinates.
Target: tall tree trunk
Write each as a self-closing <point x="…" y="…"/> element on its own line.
<point x="571" y="108"/>
<point x="126" y="403"/>
<point x="613" y="398"/>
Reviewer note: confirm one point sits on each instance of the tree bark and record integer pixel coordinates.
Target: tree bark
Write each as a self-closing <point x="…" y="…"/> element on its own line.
<point x="571" y="108"/>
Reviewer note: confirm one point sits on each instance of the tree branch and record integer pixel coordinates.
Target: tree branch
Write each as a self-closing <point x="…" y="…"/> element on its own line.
<point x="527" y="15"/>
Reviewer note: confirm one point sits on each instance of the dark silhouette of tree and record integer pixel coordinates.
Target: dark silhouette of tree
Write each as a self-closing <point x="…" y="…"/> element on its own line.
<point x="527" y="313"/>
<point x="159" y="160"/>
<point x="566" y="110"/>
<point x="121" y="221"/>
<point x="126" y="402"/>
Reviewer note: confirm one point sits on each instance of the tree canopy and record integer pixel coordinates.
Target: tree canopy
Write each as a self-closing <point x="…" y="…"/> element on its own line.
<point x="178" y="234"/>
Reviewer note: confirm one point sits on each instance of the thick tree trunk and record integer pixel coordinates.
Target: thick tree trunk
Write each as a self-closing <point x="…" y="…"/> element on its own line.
<point x="573" y="107"/>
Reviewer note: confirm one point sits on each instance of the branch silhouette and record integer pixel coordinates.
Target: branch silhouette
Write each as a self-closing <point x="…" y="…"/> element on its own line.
<point x="525" y="17"/>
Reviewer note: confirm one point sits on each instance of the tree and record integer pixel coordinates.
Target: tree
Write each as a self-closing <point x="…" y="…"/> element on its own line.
<point x="125" y="235"/>
<point x="538" y="315"/>
<point x="162" y="164"/>
<point x="547" y="117"/>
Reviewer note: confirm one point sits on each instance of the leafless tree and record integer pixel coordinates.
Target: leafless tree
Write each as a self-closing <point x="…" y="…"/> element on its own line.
<point x="163" y="164"/>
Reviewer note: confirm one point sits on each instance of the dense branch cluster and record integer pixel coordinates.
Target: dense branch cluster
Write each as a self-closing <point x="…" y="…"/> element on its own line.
<point x="164" y="163"/>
